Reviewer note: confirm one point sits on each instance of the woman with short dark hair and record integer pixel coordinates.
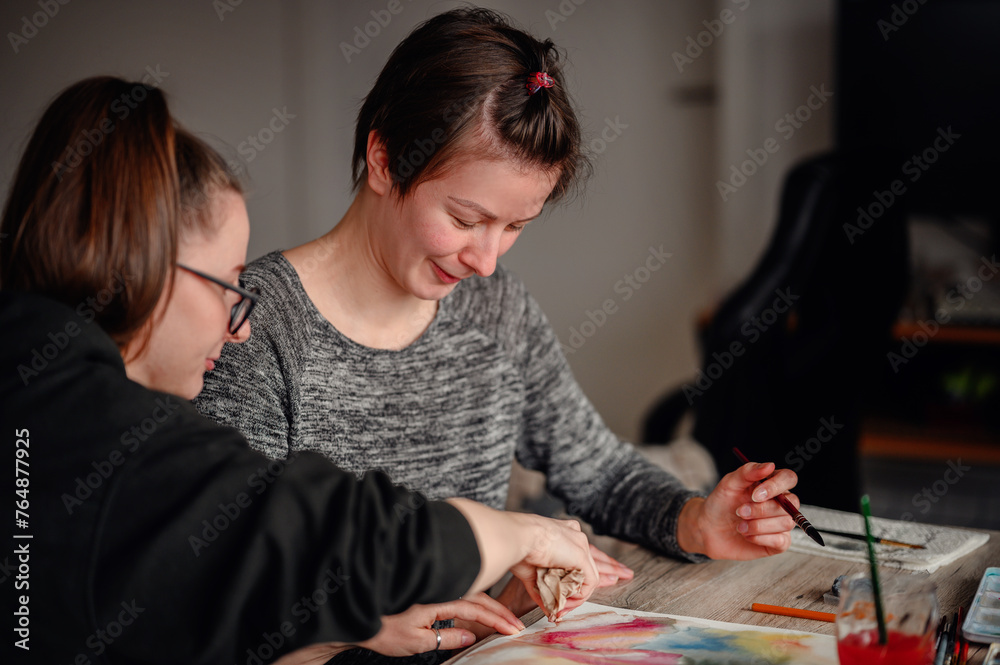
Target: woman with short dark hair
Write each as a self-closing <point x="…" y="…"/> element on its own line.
<point x="147" y="533"/>
<point x="397" y="343"/>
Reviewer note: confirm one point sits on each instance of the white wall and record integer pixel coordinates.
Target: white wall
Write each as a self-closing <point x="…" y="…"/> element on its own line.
<point x="223" y="77"/>
<point x="769" y="61"/>
<point x="654" y="184"/>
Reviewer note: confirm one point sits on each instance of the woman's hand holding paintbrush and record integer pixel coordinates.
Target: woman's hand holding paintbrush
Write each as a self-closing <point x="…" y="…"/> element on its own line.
<point x="740" y="519"/>
<point x="789" y="507"/>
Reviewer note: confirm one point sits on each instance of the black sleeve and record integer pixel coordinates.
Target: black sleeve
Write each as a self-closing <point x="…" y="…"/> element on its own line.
<point x="229" y="555"/>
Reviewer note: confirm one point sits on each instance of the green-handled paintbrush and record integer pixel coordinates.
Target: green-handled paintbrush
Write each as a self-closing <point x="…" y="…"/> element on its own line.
<point x="866" y="511"/>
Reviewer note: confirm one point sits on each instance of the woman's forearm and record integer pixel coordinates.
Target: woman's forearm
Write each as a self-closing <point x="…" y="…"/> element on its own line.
<point x="522" y="542"/>
<point x="502" y="542"/>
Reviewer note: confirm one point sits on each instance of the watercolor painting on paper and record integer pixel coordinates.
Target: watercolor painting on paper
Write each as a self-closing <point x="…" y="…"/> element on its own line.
<point x="597" y="634"/>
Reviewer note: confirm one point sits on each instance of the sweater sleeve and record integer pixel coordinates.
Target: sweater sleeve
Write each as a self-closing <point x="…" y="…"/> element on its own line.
<point x="602" y="479"/>
<point x="253" y="386"/>
<point x="207" y="541"/>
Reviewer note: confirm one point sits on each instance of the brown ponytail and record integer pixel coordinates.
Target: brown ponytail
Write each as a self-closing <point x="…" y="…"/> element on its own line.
<point x="93" y="216"/>
<point x="458" y="83"/>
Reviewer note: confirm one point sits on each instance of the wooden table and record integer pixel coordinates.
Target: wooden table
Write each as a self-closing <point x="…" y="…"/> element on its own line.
<point x="724" y="590"/>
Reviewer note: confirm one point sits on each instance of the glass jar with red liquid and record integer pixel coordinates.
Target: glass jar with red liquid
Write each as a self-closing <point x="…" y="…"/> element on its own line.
<point x="911" y="617"/>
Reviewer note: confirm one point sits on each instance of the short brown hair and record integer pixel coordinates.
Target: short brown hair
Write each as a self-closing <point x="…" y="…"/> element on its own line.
<point x="463" y="75"/>
<point x="105" y="186"/>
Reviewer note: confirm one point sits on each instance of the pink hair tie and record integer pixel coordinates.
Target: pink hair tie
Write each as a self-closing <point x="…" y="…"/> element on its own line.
<point x="537" y="81"/>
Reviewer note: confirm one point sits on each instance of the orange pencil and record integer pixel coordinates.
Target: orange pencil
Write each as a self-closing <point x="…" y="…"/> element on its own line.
<point x="829" y="617"/>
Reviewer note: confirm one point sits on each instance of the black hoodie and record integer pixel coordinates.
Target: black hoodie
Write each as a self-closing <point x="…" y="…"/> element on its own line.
<point x="147" y="533"/>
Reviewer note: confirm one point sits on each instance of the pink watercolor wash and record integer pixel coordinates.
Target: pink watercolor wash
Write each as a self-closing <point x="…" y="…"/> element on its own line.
<point x="595" y="634"/>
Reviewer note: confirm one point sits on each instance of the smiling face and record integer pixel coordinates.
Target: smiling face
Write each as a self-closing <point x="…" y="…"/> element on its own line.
<point x="458" y="225"/>
<point x="191" y="327"/>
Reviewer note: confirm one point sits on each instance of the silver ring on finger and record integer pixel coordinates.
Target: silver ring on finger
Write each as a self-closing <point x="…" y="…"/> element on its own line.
<point x="437" y="631"/>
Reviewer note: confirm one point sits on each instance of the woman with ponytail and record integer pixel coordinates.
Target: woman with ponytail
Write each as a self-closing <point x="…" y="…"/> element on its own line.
<point x="396" y="342"/>
<point x="146" y="532"/>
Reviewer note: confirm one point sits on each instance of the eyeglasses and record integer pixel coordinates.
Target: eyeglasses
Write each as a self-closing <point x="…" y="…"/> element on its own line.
<point x="241" y="310"/>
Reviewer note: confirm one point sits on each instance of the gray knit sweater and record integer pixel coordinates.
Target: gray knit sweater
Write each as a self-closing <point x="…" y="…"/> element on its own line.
<point x="485" y="383"/>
